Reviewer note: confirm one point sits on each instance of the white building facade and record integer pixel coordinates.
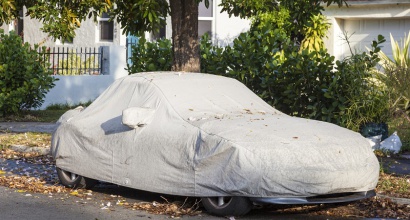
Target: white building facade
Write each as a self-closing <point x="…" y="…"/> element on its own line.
<point x="363" y="21"/>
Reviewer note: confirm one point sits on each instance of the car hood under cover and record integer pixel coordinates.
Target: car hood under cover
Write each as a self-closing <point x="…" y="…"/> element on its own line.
<point x="254" y="153"/>
<point x="289" y="156"/>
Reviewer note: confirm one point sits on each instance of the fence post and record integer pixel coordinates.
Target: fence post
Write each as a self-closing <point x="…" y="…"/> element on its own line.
<point x="105" y="60"/>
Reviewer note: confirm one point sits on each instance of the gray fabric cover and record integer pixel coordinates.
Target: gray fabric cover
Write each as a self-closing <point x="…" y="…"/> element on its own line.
<point x="209" y="136"/>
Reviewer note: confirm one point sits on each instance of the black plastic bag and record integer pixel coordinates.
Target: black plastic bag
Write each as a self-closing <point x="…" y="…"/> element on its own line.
<point x="373" y="129"/>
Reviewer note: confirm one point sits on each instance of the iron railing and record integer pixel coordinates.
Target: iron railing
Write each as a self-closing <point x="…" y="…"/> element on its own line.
<point x="74" y="61"/>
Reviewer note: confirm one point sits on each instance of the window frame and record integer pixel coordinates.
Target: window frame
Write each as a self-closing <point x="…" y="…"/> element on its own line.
<point x="98" y="33"/>
<point x="212" y="7"/>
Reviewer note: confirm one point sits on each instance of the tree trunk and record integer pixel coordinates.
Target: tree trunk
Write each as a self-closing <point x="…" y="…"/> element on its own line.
<point x="184" y="17"/>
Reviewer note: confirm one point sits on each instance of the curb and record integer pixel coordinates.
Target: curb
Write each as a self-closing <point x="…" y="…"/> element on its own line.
<point x="402" y="201"/>
<point x="24" y="149"/>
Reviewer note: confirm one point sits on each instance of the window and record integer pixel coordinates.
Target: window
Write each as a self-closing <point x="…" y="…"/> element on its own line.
<point x="105" y="28"/>
<point x="206" y="18"/>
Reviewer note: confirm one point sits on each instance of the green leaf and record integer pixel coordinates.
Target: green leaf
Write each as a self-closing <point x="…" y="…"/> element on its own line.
<point x="150" y="17"/>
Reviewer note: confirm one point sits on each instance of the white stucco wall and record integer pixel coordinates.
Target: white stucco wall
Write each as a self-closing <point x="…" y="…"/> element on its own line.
<point x="228" y="28"/>
<point x="85" y="35"/>
<point x="84" y="88"/>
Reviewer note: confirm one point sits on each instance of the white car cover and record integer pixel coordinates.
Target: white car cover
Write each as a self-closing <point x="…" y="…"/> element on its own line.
<point x="209" y="135"/>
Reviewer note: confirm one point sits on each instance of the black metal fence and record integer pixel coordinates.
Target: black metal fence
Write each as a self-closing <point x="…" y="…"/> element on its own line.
<point x="74" y="61"/>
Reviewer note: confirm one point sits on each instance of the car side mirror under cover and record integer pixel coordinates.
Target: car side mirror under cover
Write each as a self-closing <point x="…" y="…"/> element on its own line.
<point x="135" y="117"/>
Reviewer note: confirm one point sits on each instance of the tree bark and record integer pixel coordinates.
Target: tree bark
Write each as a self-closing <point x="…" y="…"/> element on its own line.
<point x="185" y="42"/>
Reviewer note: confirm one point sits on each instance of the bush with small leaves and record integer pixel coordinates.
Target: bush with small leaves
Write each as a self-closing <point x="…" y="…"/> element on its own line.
<point x="24" y="79"/>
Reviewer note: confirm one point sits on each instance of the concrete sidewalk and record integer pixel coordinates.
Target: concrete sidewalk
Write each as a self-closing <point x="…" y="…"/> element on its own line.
<point x="21" y="127"/>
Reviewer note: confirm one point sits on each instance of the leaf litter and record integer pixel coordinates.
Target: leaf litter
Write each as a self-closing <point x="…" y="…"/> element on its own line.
<point x="174" y="209"/>
<point x="30" y="139"/>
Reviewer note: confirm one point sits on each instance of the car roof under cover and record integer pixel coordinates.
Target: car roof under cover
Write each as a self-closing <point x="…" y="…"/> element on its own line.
<point x="197" y="94"/>
<point x="192" y="97"/>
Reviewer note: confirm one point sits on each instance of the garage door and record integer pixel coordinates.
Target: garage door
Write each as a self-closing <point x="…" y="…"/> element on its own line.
<point x="366" y="30"/>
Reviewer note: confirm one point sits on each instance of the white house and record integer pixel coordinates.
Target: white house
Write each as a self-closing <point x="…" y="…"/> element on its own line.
<point x="364" y="20"/>
<point x="90" y="34"/>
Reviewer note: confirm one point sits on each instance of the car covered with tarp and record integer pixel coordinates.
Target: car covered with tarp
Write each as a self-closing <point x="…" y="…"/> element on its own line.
<point x="209" y="136"/>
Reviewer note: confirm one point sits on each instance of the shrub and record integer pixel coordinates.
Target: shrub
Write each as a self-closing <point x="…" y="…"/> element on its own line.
<point x="23" y="79"/>
<point x="151" y="56"/>
<point x="253" y="59"/>
<point x="366" y="96"/>
<point x="301" y="85"/>
<point x="212" y="57"/>
<point x="396" y="75"/>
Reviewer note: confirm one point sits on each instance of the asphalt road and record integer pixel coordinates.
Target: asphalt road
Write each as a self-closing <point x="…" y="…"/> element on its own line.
<point x="33" y="206"/>
<point x="30" y="206"/>
<point x="15" y="205"/>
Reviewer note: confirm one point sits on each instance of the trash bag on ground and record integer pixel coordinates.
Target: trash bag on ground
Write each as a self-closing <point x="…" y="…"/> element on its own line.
<point x="392" y="143"/>
<point x="375" y="141"/>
